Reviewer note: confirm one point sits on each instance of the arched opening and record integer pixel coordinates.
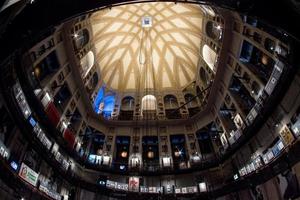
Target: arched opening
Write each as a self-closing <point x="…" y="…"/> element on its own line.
<point x="150" y="152"/>
<point x="192" y="104"/>
<point x="62" y="98"/>
<point x="87" y="62"/>
<point x="93" y="83"/>
<point x="96" y="149"/>
<point x="149" y="107"/>
<point x="178" y="147"/>
<point x="204" y="137"/>
<point x="241" y="95"/>
<point x="95" y="79"/>
<point x="191" y="101"/>
<point x="46" y="67"/>
<point x="260" y="63"/>
<point x="255" y="88"/>
<point x="81" y="38"/>
<point x="148" y="103"/>
<point x="269" y="45"/>
<point x="127" y="108"/>
<point x="213" y="30"/>
<point x="200" y="95"/>
<point x="122" y="153"/>
<point x="171" y="107"/>
<point x="203" y="76"/>
<point x="209" y="57"/>
<point x="170" y="101"/>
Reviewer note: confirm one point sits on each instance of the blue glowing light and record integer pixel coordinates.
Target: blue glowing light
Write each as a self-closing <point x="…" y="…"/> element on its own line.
<point x="104" y="104"/>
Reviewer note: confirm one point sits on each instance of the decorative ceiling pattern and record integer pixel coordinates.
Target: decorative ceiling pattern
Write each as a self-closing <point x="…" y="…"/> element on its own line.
<point x="162" y="55"/>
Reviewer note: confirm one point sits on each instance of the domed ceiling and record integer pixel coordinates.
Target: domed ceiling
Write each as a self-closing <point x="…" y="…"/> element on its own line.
<point x="148" y="45"/>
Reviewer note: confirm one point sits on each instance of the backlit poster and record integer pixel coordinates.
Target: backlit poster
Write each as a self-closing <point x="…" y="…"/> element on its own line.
<point x="286" y="135"/>
<point x="238" y="121"/>
<point x="134" y="184"/>
<point x="28" y="174"/>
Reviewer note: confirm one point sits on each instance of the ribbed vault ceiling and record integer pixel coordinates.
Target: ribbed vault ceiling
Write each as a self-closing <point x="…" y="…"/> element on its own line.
<point x="162" y="56"/>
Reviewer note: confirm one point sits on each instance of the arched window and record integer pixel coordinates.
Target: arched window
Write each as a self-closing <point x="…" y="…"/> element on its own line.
<point x="192" y="104"/>
<point x="178" y="148"/>
<point x="87" y="62"/>
<point x="170" y="102"/>
<point x="255" y="88"/>
<point x="93" y="82"/>
<point x="95" y="79"/>
<point x="209" y="56"/>
<point x="213" y="30"/>
<point x="269" y="45"/>
<point x="81" y="38"/>
<point x="203" y="75"/>
<point x="171" y="107"/>
<point x="199" y="94"/>
<point x="127" y="103"/>
<point x="190" y="100"/>
<point x="204" y="141"/>
<point x="127" y="108"/>
<point x="149" y="103"/>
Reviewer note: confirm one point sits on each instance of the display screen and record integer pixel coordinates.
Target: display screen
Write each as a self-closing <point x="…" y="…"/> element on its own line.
<point x="104" y="103"/>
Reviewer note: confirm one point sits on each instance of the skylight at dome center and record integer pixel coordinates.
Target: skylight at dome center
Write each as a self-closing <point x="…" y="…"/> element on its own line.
<point x="148" y="45"/>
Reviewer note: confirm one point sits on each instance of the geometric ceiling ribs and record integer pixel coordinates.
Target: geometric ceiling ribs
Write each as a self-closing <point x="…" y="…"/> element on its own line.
<point x="162" y="56"/>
